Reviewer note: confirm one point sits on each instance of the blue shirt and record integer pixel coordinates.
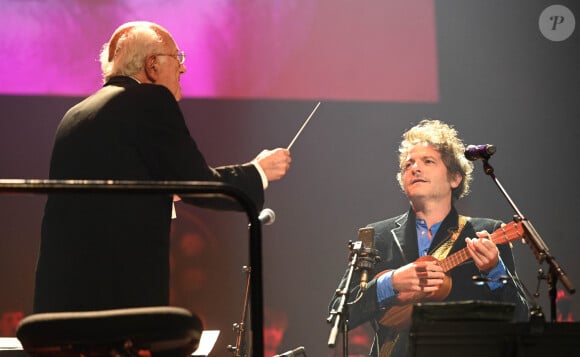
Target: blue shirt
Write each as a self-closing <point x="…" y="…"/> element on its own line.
<point x="424" y="239"/>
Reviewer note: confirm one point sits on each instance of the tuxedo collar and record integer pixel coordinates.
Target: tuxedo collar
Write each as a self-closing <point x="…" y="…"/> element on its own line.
<point x="121" y="81"/>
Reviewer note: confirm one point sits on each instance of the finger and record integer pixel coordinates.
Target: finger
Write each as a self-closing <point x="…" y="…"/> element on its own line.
<point x="483" y="234"/>
<point x="427" y="289"/>
<point x="469" y="243"/>
<point x="489" y="245"/>
<point x="420" y="266"/>
<point x="485" y="248"/>
<point x="425" y="282"/>
<point x="431" y="275"/>
<point x="480" y="245"/>
<point x="434" y="268"/>
<point x="471" y="249"/>
<point x="423" y="266"/>
<point x="477" y="247"/>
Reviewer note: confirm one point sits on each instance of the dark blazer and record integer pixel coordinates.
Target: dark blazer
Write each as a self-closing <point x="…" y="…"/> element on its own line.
<point x="396" y="244"/>
<point x="112" y="251"/>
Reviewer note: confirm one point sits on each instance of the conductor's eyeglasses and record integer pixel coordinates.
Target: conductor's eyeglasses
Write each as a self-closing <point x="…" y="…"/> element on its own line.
<point x="180" y="56"/>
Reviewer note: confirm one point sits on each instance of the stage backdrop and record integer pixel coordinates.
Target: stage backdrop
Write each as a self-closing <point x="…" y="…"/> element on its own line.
<point x="503" y="73"/>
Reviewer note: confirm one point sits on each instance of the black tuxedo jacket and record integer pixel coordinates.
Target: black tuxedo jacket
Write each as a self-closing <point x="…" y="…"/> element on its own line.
<point x="112" y="251"/>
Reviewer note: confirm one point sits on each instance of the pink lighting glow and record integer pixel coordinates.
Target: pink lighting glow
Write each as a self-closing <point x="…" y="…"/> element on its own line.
<point x="279" y="49"/>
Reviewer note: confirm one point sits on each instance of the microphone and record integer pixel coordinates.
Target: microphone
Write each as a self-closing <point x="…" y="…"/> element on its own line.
<point x="368" y="255"/>
<point x="479" y="152"/>
<point x="267" y="216"/>
<point x="299" y="351"/>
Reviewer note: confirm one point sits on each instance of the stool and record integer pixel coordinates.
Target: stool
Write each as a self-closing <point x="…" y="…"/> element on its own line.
<point x="156" y="331"/>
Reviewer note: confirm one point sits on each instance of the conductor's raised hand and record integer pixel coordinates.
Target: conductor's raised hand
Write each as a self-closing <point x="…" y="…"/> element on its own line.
<point x="275" y="163"/>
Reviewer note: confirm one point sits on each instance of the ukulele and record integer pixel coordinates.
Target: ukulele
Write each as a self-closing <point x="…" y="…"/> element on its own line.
<point x="399" y="316"/>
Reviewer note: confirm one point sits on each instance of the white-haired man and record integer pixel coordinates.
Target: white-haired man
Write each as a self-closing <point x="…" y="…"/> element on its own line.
<point x="112" y="251"/>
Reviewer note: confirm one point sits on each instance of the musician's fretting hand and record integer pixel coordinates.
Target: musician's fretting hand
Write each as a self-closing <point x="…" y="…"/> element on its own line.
<point x="483" y="251"/>
<point x="275" y="163"/>
<point x="425" y="276"/>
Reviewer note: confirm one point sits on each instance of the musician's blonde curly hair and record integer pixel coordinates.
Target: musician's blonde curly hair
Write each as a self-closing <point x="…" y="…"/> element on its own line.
<point x="444" y="138"/>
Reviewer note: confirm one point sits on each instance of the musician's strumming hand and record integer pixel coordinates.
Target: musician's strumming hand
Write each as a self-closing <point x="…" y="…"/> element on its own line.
<point x="483" y="251"/>
<point x="419" y="276"/>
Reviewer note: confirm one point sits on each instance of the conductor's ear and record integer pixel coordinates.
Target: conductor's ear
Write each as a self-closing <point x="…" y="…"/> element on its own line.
<point x="151" y="66"/>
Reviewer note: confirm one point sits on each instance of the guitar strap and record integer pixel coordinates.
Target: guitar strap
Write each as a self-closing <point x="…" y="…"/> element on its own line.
<point x="440" y="253"/>
<point x="443" y="250"/>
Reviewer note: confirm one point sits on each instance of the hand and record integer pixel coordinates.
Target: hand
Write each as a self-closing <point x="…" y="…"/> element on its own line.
<point x="419" y="276"/>
<point x="275" y="163"/>
<point x="483" y="251"/>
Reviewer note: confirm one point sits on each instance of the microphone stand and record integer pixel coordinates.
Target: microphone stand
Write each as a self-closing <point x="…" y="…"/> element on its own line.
<point x="340" y="314"/>
<point x="239" y="350"/>
<point x="539" y="248"/>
